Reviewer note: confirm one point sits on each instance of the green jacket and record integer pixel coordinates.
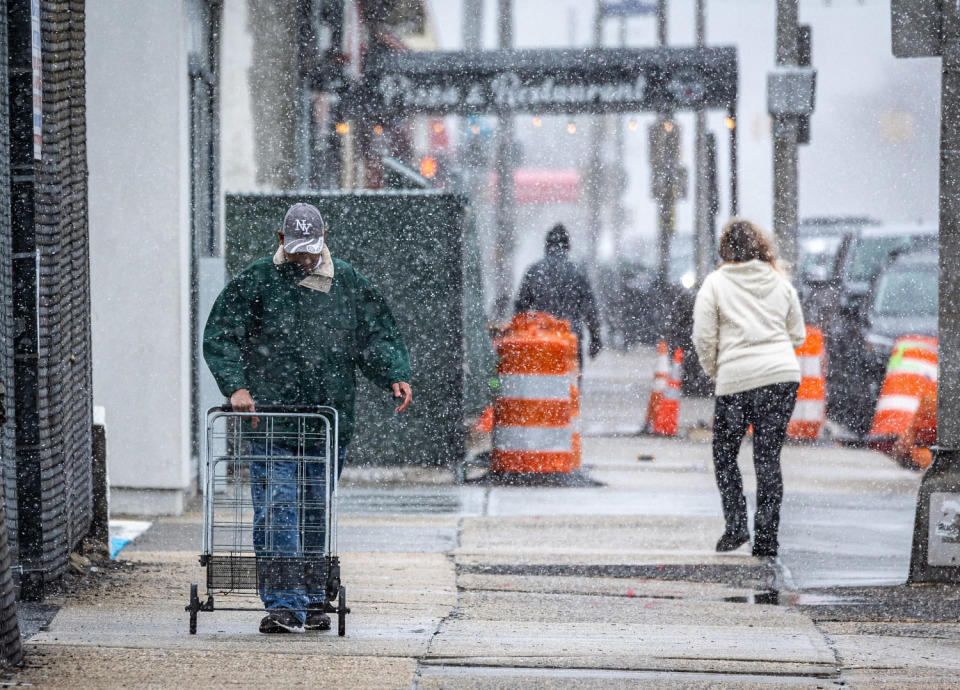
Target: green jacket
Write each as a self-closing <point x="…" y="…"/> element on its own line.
<point x="292" y="345"/>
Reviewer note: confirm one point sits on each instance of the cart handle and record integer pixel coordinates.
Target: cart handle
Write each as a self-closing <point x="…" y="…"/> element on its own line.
<point x="281" y="409"/>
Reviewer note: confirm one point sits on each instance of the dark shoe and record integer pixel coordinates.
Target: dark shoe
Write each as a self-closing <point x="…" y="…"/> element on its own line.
<point x="764" y="551"/>
<point x="732" y="540"/>
<point x="281" y="621"/>
<point x="317" y="620"/>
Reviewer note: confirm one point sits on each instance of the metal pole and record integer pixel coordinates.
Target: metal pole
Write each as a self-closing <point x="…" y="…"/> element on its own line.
<point x="733" y="126"/>
<point x="703" y="233"/>
<point x="619" y="212"/>
<point x="665" y="217"/>
<point x="935" y="556"/>
<point x="595" y="164"/>
<point x="785" y="128"/>
<point x="948" y="387"/>
<point x="472" y="24"/>
<point x="505" y="211"/>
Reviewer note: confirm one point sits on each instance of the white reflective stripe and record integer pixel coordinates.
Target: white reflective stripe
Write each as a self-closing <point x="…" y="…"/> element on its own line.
<point x="675" y="372"/>
<point x="575" y="425"/>
<point x="672" y="393"/>
<point x="915" y="366"/>
<point x="547" y="439"/>
<point x="810" y="367"/>
<point x="659" y="384"/>
<point x="903" y="403"/>
<point x="535" y="387"/>
<point x="663" y="364"/>
<point x="809" y="411"/>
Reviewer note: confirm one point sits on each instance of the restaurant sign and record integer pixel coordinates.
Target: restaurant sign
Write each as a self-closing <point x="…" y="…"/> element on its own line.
<point x="541" y="81"/>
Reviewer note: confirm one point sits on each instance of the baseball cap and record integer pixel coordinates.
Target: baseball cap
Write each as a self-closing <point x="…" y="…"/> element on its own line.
<point x="303" y="229"/>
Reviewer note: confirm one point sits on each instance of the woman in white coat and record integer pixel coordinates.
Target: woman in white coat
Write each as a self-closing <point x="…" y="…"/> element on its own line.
<point x="747" y="320"/>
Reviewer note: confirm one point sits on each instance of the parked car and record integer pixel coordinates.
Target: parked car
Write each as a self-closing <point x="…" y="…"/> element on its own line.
<point x="904" y="302"/>
<point x="839" y="304"/>
<point x="819" y="240"/>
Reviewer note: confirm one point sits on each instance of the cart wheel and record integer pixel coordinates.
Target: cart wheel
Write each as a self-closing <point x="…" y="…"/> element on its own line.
<point x="193" y="608"/>
<point x="342" y="611"/>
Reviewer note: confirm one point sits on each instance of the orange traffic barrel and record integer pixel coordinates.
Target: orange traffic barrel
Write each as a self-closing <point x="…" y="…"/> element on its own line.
<point x="575" y="426"/>
<point x="666" y="418"/>
<point x="911" y="375"/>
<point x="660" y="375"/>
<point x="532" y="413"/>
<point x="810" y="412"/>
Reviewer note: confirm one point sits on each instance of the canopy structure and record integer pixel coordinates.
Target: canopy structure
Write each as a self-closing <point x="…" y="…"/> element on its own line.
<point x="602" y="80"/>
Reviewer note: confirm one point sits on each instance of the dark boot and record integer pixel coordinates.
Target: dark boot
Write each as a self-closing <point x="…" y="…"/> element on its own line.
<point x="733" y="539"/>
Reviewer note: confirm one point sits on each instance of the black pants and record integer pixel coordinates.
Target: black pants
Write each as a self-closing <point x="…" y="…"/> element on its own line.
<point x="768" y="409"/>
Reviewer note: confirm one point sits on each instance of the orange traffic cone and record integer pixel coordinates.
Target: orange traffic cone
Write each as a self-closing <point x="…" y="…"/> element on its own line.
<point x="810" y="412"/>
<point x="484" y="424"/>
<point x="666" y="418"/>
<point x="660" y="375"/>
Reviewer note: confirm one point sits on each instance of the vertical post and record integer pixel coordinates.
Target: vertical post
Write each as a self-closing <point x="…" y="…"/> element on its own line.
<point x="732" y="127"/>
<point x="595" y="162"/>
<point x="472" y="24"/>
<point x="785" y="130"/>
<point x="703" y="231"/>
<point x="935" y="556"/>
<point x="618" y="221"/>
<point x="505" y="211"/>
<point x="665" y="198"/>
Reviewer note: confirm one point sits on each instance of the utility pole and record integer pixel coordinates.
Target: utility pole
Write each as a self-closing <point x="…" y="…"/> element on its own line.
<point x="472" y="24"/>
<point x="704" y="241"/>
<point x="665" y="195"/>
<point x="595" y="162"/>
<point x="785" y="129"/>
<point x="930" y="28"/>
<point x="505" y="211"/>
<point x="618" y="221"/>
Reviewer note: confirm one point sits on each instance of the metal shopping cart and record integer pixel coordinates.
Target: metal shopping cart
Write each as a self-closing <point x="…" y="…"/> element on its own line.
<point x="270" y="510"/>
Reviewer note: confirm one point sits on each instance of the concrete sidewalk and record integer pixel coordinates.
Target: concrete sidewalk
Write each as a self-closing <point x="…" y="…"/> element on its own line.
<point x="613" y="586"/>
<point x="489" y="586"/>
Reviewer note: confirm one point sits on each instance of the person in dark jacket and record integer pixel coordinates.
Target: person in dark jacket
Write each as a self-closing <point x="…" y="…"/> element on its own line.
<point x="559" y="287"/>
<point x="293" y="329"/>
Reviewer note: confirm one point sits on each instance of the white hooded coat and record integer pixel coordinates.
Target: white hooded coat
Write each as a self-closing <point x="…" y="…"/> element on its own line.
<point x="747" y="320"/>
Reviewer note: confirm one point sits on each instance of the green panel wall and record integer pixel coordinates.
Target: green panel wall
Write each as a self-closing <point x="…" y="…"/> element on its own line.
<point x="410" y="245"/>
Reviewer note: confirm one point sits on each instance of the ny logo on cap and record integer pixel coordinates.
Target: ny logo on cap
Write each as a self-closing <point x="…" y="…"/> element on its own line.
<point x="303" y="227"/>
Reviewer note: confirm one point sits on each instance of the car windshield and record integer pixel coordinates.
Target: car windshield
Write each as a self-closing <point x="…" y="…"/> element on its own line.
<point x="869" y="253"/>
<point x="909" y="290"/>
<point x="817" y="253"/>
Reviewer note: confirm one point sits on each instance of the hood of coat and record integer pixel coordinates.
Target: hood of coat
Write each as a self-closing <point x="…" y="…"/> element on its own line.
<point x="757" y="277"/>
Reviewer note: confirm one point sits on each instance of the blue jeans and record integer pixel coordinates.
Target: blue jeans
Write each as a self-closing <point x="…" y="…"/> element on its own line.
<point x="289" y="527"/>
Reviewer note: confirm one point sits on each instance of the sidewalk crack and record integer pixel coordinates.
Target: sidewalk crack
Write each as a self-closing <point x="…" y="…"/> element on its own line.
<point x="452" y="614"/>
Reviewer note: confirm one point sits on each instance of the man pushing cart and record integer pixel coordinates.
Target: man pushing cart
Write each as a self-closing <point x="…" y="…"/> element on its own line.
<point x="285" y="338"/>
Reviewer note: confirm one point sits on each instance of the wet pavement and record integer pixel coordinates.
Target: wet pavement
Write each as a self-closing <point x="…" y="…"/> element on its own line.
<point x="607" y="583"/>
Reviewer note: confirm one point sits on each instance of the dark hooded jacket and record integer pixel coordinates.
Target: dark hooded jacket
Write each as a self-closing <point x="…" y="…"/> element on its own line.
<point x="559" y="287"/>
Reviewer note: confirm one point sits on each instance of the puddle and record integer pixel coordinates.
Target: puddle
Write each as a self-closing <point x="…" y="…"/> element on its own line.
<point x="815" y="599"/>
<point x="774" y="597"/>
<point x="770" y="596"/>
